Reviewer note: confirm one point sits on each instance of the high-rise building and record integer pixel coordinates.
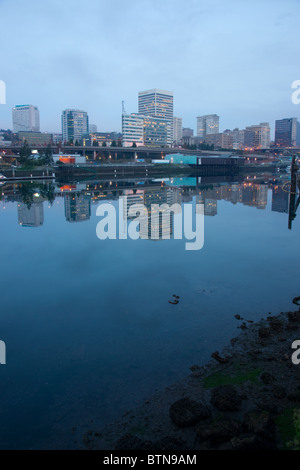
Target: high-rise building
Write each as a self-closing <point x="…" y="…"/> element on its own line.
<point x="26" y="118"/>
<point x="132" y="130"/>
<point x="259" y="136"/>
<point x="238" y="137"/>
<point x="155" y="132"/>
<point x="208" y="124"/>
<point x="187" y="132"/>
<point x="75" y="124"/>
<point x="177" y="130"/>
<point x="92" y="128"/>
<point x="158" y="103"/>
<point x="144" y="130"/>
<point x="286" y="131"/>
<point x="222" y="140"/>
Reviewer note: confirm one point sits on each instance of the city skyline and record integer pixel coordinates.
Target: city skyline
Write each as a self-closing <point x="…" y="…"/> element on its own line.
<point x="93" y="70"/>
<point x="26" y="119"/>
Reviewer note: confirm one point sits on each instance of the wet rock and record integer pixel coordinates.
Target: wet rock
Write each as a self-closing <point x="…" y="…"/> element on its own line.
<point x="296" y="300"/>
<point x="294" y="397"/>
<point x="186" y="412"/>
<point x="264" y="332"/>
<point x="294" y="316"/>
<point x="276" y="325"/>
<point x="170" y="443"/>
<point x="259" y="423"/>
<point x="197" y="371"/>
<point x="292" y="326"/>
<point x="225" y="446"/>
<point x="238" y="317"/>
<point x="279" y="392"/>
<point x="245" y="442"/>
<point x="220" y="430"/>
<point x="131" y="442"/>
<point x="219" y="358"/>
<point x="226" y="398"/>
<point x="267" y="378"/>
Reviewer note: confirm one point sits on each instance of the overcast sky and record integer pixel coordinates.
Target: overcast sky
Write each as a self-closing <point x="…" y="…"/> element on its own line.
<point x="235" y="58"/>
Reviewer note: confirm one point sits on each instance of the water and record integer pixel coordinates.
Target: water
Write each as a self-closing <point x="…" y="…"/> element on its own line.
<point x="87" y="323"/>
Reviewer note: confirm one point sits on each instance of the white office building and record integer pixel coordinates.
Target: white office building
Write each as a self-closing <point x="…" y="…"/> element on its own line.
<point x="158" y="103"/>
<point x="132" y="130"/>
<point x="26" y="118"/>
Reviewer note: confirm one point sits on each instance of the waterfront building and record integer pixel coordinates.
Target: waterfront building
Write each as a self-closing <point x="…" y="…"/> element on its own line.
<point x="238" y="137"/>
<point x="75" y="124"/>
<point x="57" y="138"/>
<point x="177" y="130"/>
<point x="155" y="132"/>
<point x="102" y="138"/>
<point x="69" y="159"/>
<point x="132" y="130"/>
<point x="221" y="140"/>
<point x="92" y="128"/>
<point x="38" y="139"/>
<point x="144" y="130"/>
<point x="26" y="118"/>
<point x="258" y="135"/>
<point x="207" y="125"/>
<point x="158" y="103"/>
<point x="187" y="132"/>
<point x="286" y="132"/>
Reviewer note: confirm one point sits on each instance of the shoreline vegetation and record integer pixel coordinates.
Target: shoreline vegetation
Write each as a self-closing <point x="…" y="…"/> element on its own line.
<point x="247" y="397"/>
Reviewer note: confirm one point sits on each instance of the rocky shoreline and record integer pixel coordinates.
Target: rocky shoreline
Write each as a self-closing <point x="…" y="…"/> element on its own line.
<point x="245" y="398"/>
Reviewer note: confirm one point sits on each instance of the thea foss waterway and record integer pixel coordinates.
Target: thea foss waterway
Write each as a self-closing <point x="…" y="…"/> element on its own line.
<point x="91" y="326"/>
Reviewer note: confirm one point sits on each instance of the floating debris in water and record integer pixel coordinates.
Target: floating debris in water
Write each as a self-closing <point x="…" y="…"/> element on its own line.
<point x="238" y="317"/>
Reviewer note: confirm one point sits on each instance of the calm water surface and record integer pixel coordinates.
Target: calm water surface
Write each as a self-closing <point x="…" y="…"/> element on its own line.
<point x="88" y="328"/>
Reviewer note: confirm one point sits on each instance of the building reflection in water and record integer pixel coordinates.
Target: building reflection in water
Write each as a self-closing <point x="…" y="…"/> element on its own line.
<point x="280" y="199"/>
<point x="157" y="223"/>
<point x="78" y="199"/>
<point x="77" y="207"/>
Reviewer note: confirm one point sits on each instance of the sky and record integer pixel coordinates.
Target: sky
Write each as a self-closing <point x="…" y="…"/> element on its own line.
<point x="234" y="58"/>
